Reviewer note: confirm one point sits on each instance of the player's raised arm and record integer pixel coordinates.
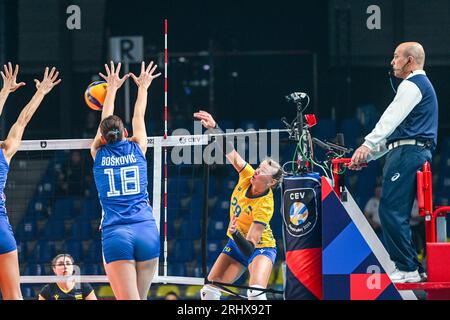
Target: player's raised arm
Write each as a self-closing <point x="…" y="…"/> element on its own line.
<point x="232" y="155"/>
<point x="12" y="142"/>
<point x="9" y="83"/>
<point x="114" y="82"/>
<point x="143" y="82"/>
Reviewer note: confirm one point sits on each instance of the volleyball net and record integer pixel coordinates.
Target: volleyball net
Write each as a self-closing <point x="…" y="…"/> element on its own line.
<point x="53" y="207"/>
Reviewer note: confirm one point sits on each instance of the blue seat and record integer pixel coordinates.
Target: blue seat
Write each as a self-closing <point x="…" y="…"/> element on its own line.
<point x="74" y="248"/>
<point x="184" y="186"/>
<point x="177" y="269"/>
<point x="219" y="215"/>
<point x="173" y="202"/>
<point x="171" y="216"/>
<point x="27" y="230"/>
<point x="28" y="291"/>
<point x="90" y="209"/>
<point x="63" y="208"/>
<point x="274" y="124"/>
<point x="196" y="207"/>
<point x="54" y="230"/>
<point x="43" y="252"/>
<point x="190" y="230"/>
<point x="368" y="116"/>
<point x="226" y="124"/>
<point x="198" y="187"/>
<point x="213" y="249"/>
<point x="248" y="124"/>
<point x="37" y="208"/>
<point x="325" y="129"/>
<point x="46" y="188"/>
<point x="92" y="269"/>
<point x="184" y="251"/>
<point x="81" y="230"/>
<point x="217" y="229"/>
<point x="94" y="252"/>
<point x="22" y="248"/>
<point x="34" y="269"/>
<point x="351" y="128"/>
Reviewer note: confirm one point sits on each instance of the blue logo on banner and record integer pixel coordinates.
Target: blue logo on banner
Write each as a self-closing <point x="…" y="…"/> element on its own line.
<point x="298" y="213"/>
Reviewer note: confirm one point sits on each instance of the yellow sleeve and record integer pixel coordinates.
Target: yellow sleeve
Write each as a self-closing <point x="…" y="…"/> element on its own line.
<point x="246" y="172"/>
<point x="264" y="212"/>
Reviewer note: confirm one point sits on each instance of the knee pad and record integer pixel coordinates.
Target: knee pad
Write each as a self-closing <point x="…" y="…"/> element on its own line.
<point x="255" y="294"/>
<point x="209" y="292"/>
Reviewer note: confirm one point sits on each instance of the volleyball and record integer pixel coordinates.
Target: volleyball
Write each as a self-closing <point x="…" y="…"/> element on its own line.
<point x="95" y="95"/>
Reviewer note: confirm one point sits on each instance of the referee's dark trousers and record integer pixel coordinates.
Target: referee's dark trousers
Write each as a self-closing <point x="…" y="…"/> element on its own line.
<point x="399" y="190"/>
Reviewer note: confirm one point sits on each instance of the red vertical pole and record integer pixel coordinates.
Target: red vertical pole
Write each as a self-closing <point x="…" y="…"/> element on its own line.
<point x="430" y="219"/>
<point x="336" y="179"/>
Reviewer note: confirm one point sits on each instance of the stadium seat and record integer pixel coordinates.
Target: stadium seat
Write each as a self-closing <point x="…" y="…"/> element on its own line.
<point x="46" y="187"/>
<point x="22" y="248"/>
<point x="325" y="129"/>
<point x="213" y="249"/>
<point x="193" y="292"/>
<point x="54" y="230"/>
<point x="163" y="290"/>
<point x="28" y="292"/>
<point x="43" y="252"/>
<point x="34" y="269"/>
<point x="94" y="252"/>
<point x="63" y="208"/>
<point x="198" y="187"/>
<point x="248" y="124"/>
<point x="74" y="248"/>
<point x="173" y="201"/>
<point x="92" y="269"/>
<point x="226" y="124"/>
<point x="184" y="251"/>
<point x="190" y="229"/>
<point x="37" y="208"/>
<point x="90" y="209"/>
<point x="351" y="128"/>
<point x="27" y="230"/>
<point x="184" y="186"/>
<point x="274" y="124"/>
<point x="221" y="210"/>
<point x="177" y="269"/>
<point x="196" y="207"/>
<point x="81" y="230"/>
<point x="217" y="229"/>
<point x="105" y="292"/>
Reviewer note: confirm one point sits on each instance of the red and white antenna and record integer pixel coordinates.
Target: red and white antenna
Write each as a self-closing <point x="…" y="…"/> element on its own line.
<point x="165" y="148"/>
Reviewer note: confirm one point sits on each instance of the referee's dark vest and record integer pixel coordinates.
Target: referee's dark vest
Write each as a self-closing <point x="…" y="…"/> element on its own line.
<point x="422" y="121"/>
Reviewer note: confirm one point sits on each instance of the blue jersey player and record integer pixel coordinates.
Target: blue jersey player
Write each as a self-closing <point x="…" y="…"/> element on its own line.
<point x="130" y="238"/>
<point x="9" y="262"/>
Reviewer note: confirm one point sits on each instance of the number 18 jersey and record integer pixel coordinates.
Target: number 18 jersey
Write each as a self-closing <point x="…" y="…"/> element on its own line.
<point x="120" y="174"/>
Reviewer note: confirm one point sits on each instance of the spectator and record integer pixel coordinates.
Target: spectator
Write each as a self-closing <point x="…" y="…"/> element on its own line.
<point x="63" y="265"/>
<point x="171" y="296"/>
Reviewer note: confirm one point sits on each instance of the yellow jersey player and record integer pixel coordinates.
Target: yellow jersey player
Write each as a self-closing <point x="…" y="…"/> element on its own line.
<point x="251" y="244"/>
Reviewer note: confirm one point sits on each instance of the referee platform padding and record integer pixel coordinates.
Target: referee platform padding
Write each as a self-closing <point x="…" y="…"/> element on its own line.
<point x="355" y="265"/>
